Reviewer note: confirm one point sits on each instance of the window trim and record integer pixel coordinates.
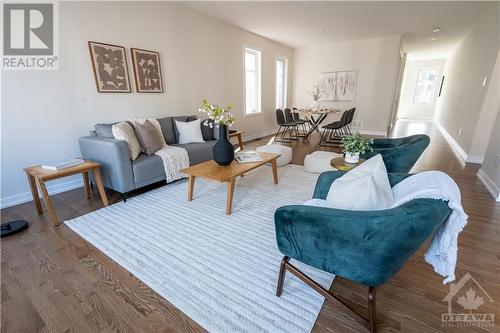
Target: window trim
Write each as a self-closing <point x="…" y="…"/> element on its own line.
<point x="258" y="51"/>
<point x="277" y="58"/>
<point x="433" y="86"/>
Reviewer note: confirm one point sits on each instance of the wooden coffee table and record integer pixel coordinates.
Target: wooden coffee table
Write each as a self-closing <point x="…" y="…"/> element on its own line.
<point x="212" y="171"/>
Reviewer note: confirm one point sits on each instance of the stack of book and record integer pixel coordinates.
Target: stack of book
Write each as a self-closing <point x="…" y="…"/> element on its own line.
<point x="63" y="164"/>
<point x="247" y="156"/>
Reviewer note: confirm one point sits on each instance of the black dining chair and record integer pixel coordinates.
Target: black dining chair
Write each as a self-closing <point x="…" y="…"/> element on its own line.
<point x="284" y="127"/>
<point x="290" y="119"/>
<point x="333" y="132"/>
<point x="349" y="120"/>
<point x="301" y="123"/>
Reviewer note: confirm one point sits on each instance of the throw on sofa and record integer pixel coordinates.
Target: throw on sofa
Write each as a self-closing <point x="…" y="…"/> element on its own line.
<point x="123" y="175"/>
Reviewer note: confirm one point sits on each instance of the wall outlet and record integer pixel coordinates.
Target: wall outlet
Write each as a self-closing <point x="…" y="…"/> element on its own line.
<point x="460" y="131"/>
<point x="485" y="80"/>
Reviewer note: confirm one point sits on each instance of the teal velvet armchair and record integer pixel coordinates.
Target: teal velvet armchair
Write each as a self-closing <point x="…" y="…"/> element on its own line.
<point x="400" y="154"/>
<point x="365" y="247"/>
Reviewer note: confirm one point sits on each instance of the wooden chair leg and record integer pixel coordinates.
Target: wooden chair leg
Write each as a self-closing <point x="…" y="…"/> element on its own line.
<point x="372" y="309"/>
<point x="281" y="276"/>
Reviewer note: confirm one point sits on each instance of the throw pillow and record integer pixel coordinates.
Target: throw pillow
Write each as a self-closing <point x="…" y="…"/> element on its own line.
<point x="148" y="137"/>
<point x="104" y="130"/>
<point x="207" y="129"/>
<point x="155" y="123"/>
<point x="365" y="187"/>
<point x="190" y="131"/>
<point x="123" y="131"/>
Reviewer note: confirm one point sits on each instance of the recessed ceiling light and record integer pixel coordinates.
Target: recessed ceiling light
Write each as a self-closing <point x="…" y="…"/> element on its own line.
<point x="436" y="30"/>
<point x="433" y="38"/>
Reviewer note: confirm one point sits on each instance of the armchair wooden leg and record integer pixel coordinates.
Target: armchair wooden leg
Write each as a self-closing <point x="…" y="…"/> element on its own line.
<point x="372" y="309"/>
<point x="281" y="276"/>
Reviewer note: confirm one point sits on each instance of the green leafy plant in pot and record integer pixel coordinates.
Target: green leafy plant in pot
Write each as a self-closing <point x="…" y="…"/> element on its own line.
<point x="353" y="145"/>
<point x="223" y="150"/>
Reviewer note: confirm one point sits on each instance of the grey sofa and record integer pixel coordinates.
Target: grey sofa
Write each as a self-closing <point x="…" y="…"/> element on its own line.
<point x="123" y="175"/>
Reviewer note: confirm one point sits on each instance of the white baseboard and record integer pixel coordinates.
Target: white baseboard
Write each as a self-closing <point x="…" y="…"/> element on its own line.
<point x="60" y="187"/>
<point x="457" y="148"/>
<point x="489" y="184"/>
<point x="259" y="135"/>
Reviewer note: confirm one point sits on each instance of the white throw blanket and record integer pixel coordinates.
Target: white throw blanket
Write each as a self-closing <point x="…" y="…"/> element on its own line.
<point x="174" y="159"/>
<point x="442" y="253"/>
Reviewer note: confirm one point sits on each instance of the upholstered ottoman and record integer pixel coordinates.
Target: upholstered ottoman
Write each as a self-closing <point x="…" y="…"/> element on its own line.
<point x="319" y="161"/>
<point x="284" y="151"/>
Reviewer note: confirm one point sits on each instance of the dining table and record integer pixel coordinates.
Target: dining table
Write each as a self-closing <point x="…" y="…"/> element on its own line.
<point x="315" y="117"/>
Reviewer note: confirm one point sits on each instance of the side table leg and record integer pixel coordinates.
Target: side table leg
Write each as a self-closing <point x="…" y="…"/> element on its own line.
<point x="34" y="193"/>
<point x="100" y="187"/>
<point x="191" y="187"/>
<point x="86" y="184"/>
<point x="48" y="203"/>
<point x="240" y="141"/>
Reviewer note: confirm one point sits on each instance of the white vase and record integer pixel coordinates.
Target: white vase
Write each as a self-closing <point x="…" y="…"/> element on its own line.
<point x="351" y="158"/>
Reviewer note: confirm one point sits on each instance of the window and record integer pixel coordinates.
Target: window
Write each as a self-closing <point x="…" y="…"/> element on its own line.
<point x="281" y="71"/>
<point x="424" y="90"/>
<point x="252" y="81"/>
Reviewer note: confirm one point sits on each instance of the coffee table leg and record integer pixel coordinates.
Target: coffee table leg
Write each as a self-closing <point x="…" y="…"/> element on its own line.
<point x="275" y="171"/>
<point x="34" y="192"/>
<point x="100" y="187"/>
<point x="191" y="187"/>
<point x="86" y="184"/>
<point x="48" y="203"/>
<point x="230" y="194"/>
<point x="240" y="141"/>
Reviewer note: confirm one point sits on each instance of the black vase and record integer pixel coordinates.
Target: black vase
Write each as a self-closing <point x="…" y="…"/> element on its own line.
<point x="223" y="150"/>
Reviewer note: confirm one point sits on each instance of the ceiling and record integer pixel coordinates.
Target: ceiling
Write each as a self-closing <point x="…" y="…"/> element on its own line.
<point x="299" y="24"/>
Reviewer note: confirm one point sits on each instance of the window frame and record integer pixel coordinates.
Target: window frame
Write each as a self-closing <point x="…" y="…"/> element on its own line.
<point x="420" y="70"/>
<point x="258" y="83"/>
<point x="285" y="80"/>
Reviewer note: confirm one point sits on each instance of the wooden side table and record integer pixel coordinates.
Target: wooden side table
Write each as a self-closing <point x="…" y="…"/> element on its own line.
<point x="37" y="176"/>
<point x="237" y="134"/>
<point x="340" y="164"/>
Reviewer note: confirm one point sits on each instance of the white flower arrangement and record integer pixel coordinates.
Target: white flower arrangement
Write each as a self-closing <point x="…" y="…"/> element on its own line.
<point x="219" y="115"/>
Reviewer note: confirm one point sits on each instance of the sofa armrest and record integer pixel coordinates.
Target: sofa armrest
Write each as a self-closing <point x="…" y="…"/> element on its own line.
<point x="366" y="247"/>
<point x="114" y="157"/>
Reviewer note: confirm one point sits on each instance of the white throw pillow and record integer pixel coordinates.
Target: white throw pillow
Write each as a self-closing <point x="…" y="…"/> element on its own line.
<point x="189" y="131"/>
<point x="123" y="131"/>
<point x="155" y="123"/>
<point x="365" y="187"/>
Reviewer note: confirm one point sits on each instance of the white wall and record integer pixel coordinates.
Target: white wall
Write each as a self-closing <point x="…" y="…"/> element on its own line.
<point x="376" y="61"/>
<point x="409" y="110"/>
<point x="460" y="107"/>
<point x="490" y="170"/>
<point x="45" y="112"/>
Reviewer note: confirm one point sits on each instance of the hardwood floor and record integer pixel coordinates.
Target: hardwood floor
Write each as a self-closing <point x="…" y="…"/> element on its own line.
<point x="53" y="281"/>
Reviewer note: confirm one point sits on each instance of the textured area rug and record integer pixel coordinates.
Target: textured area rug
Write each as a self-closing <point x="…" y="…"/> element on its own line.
<point x="219" y="270"/>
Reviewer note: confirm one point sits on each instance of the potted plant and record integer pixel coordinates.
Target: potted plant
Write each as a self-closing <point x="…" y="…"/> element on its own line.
<point x="223" y="150"/>
<point x="315" y="94"/>
<point x="353" y="145"/>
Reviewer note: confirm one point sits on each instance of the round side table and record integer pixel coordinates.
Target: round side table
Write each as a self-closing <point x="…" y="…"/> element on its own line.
<point x="340" y="164"/>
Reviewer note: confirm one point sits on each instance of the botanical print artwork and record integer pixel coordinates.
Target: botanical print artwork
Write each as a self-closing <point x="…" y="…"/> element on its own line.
<point x="337" y="86"/>
<point x="147" y="70"/>
<point x="110" y="67"/>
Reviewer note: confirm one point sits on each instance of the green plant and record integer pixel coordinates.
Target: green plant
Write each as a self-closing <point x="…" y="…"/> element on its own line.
<point x="355" y="143"/>
<point x="220" y="115"/>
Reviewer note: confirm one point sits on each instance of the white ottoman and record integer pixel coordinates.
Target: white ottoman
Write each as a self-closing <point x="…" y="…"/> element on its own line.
<point x="319" y="161"/>
<point x="284" y="151"/>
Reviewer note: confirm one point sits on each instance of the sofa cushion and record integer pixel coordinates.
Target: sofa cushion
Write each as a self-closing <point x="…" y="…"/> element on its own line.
<point x="167" y="128"/>
<point x="147" y="169"/>
<point x="123" y="131"/>
<point x="149" y="137"/>
<point x="198" y="152"/>
<point x="183" y="119"/>
<point x="189" y="132"/>
<point x="104" y="130"/>
<point x="207" y="129"/>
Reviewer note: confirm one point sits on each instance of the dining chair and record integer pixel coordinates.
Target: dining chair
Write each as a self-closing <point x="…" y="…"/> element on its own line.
<point x="289" y="119"/>
<point x="284" y="128"/>
<point x="333" y="132"/>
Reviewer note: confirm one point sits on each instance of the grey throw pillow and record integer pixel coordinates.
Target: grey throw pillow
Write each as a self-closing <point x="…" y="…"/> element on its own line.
<point x="104" y="130"/>
<point x="148" y="137"/>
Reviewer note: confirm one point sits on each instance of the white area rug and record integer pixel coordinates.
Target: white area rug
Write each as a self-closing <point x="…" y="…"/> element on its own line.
<point x="219" y="270"/>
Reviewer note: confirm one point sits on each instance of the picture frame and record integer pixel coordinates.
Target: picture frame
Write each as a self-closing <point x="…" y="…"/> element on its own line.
<point x="147" y="70"/>
<point x="337" y="86"/>
<point x="109" y="64"/>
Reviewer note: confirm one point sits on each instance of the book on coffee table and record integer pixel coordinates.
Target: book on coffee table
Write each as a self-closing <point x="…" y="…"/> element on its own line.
<point x="249" y="156"/>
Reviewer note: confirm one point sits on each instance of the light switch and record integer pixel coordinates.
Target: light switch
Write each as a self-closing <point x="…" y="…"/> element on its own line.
<point x="484" y="81"/>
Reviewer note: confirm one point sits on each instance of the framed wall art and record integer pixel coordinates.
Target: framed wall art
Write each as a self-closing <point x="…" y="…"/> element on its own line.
<point x="147" y="71"/>
<point x="109" y="63"/>
<point x="337" y="86"/>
